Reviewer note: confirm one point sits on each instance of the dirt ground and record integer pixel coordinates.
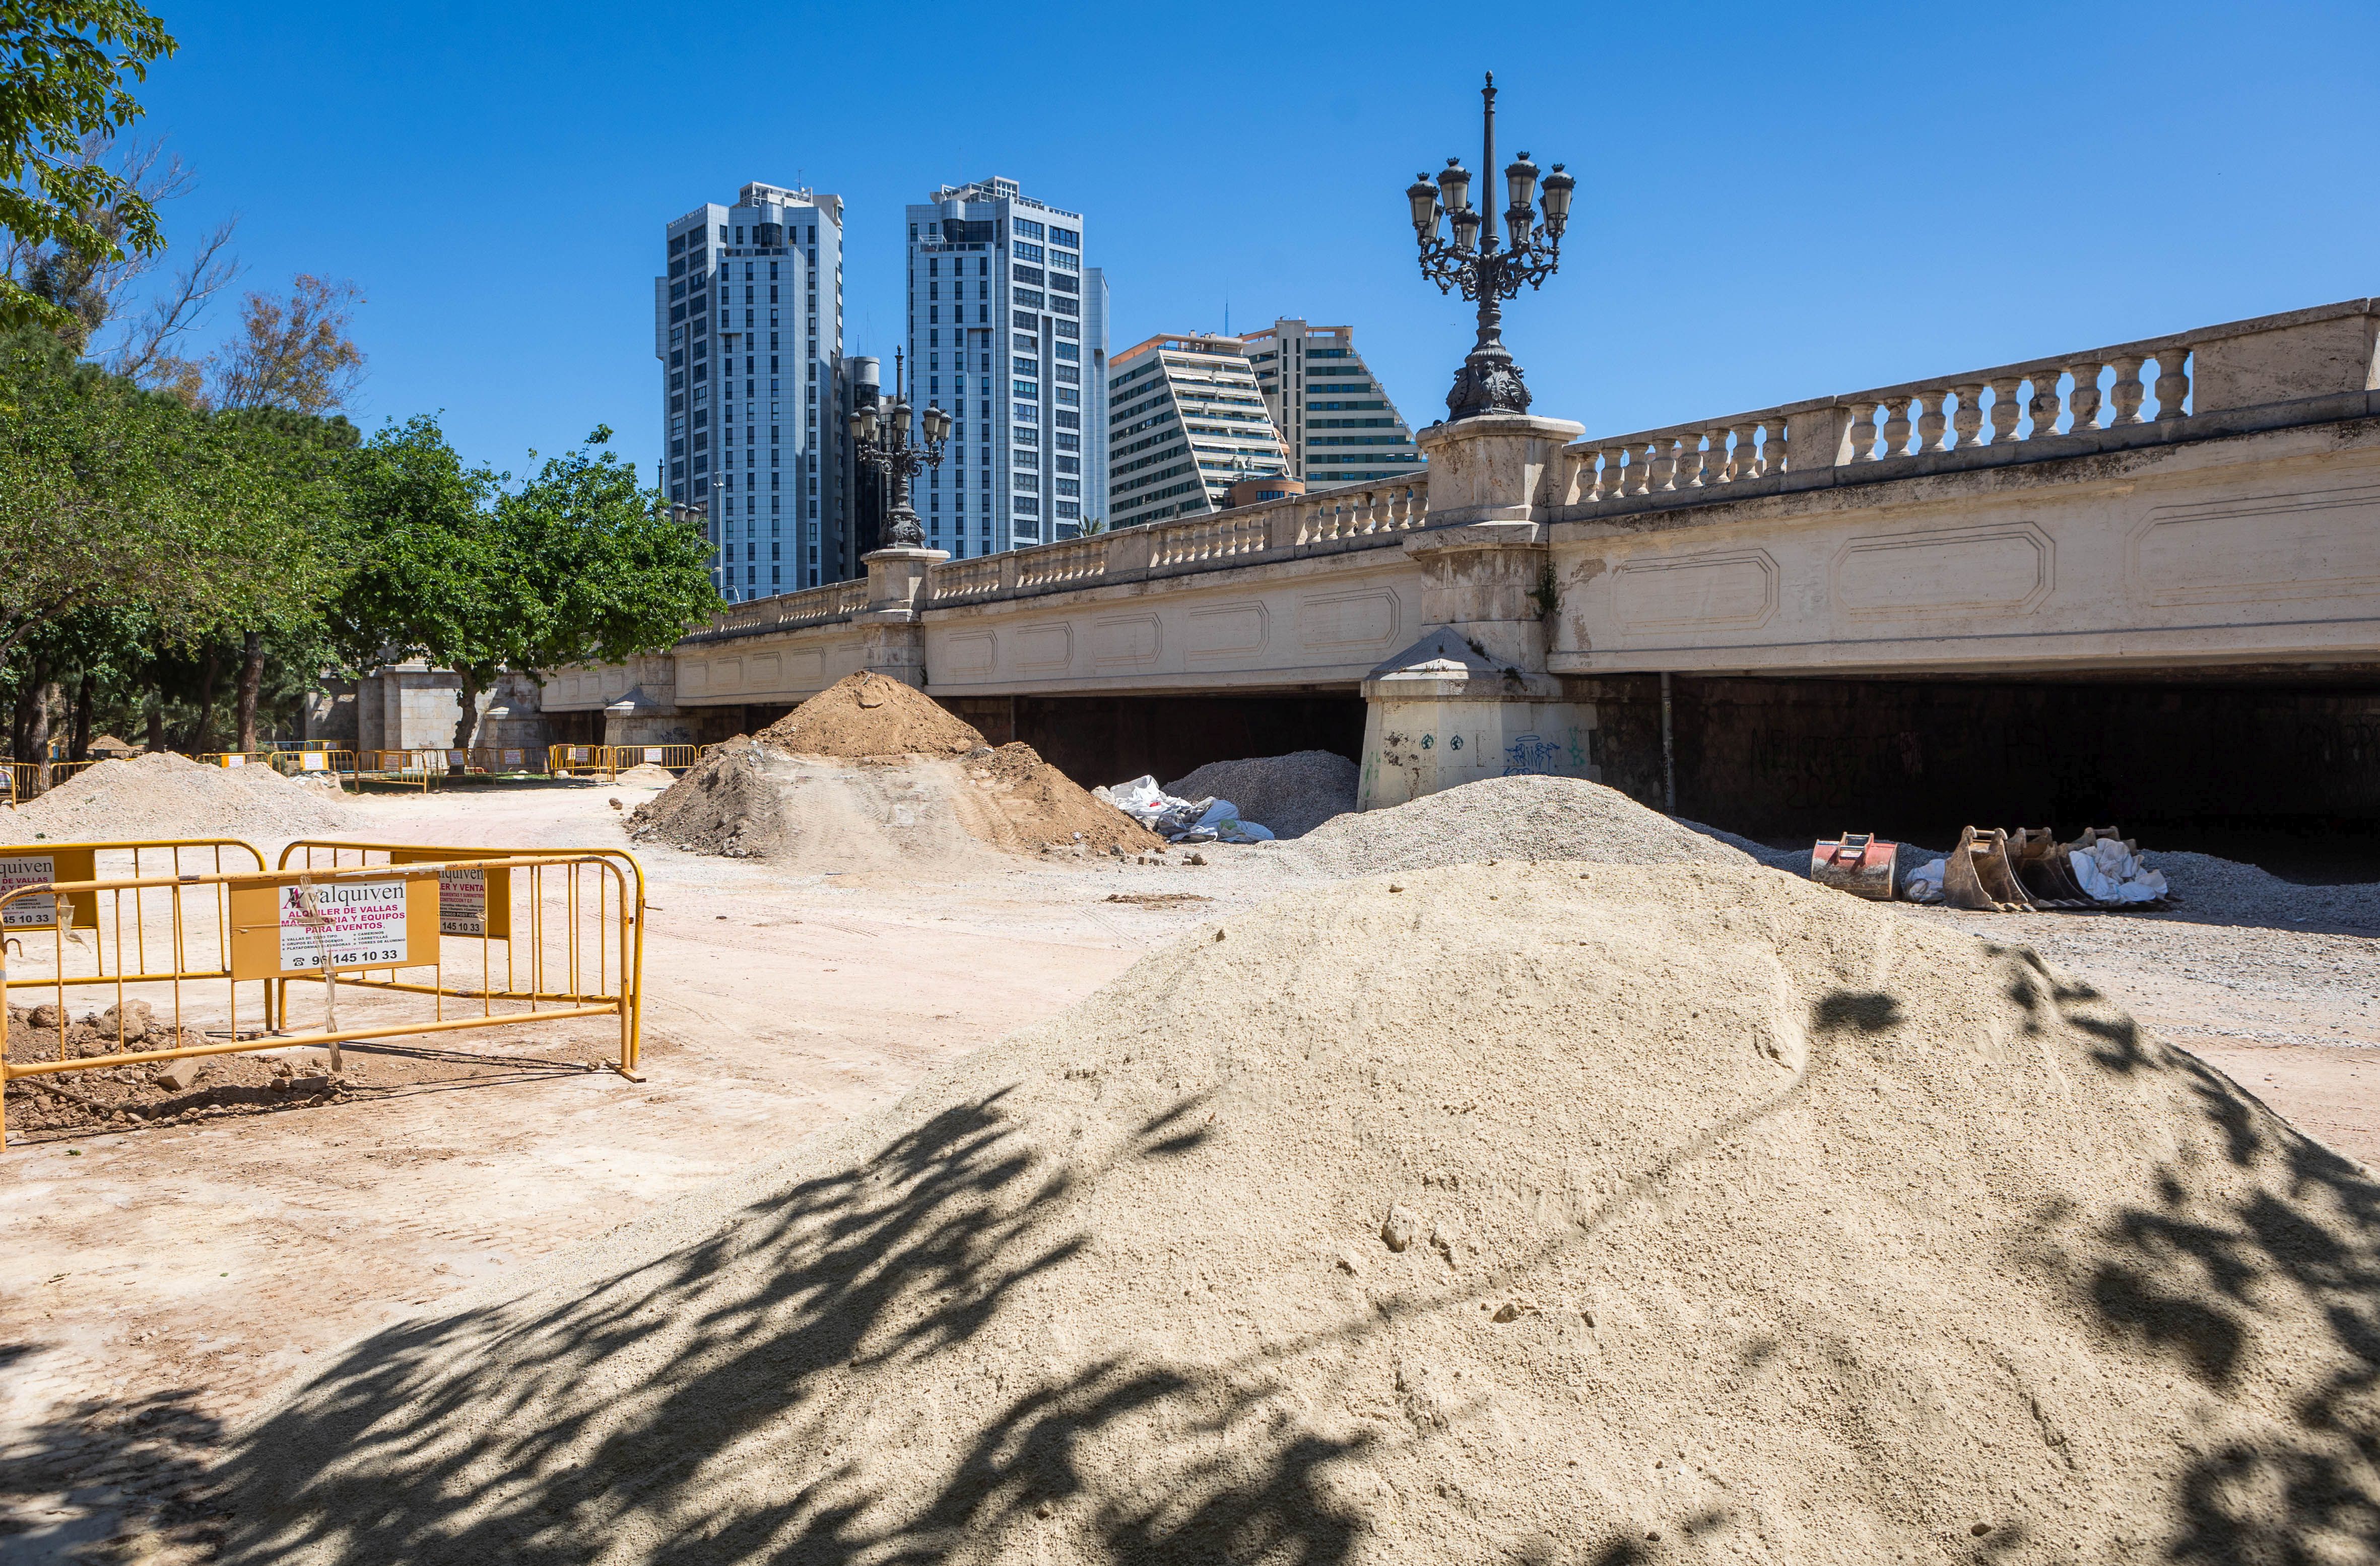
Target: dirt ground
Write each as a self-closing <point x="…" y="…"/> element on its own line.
<point x="161" y="1280"/>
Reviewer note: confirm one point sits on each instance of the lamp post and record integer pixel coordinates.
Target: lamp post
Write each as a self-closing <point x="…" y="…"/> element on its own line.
<point x="884" y="443"/>
<point x="1483" y="267"/>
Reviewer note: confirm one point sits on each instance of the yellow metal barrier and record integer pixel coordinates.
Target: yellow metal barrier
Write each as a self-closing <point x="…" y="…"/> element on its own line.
<point x="302" y="763"/>
<point x="572" y="925"/>
<point x="498" y="926"/>
<point x="579" y="760"/>
<point x="677" y="757"/>
<point x="61" y="771"/>
<point x="410" y="769"/>
<point x="230" y="757"/>
<point x="195" y="944"/>
<point x="19" y="779"/>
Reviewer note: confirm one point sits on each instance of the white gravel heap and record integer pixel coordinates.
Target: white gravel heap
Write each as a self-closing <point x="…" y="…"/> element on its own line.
<point x="1291" y="793"/>
<point x="1508" y="819"/>
<point x="165" y="795"/>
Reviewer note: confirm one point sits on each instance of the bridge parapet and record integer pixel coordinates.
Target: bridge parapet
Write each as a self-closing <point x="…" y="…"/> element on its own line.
<point x="2261" y="372"/>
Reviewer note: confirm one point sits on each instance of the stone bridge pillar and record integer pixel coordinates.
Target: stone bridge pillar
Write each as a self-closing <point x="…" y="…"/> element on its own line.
<point x="648" y="713"/>
<point x="1471" y="699"/>
<point x="896" y="631"/>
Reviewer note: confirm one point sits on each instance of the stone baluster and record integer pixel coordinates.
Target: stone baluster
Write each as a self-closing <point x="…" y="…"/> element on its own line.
<point x="2044" y="405"/>
<point x="2172" y="382"/>
<point x="1896" y="427"/>
<point x="1863" y="431"/>
<point x="1634" y="475"/>
<point x="1606" y="477"/>
<point x="1738" y="440"/>
<point x="1662" y="473"/>
<point x="1968" y="422"/>
<point x="2004" y="409"/>
<point x="1932" y="422"/>
<point x="2128" y="390"/>
<point x="1772" y="449"/>
<point x="1692" y="462"/>
<point x="2085" y="402"/>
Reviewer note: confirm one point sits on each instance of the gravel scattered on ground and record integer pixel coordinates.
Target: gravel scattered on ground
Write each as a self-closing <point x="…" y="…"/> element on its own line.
<point x="165" y="795"/>
<point x="1505" y="818"/>
<point x="1292" y="795"/>
<point x="872" y="715"/>
<point x="1527" y="1212"/>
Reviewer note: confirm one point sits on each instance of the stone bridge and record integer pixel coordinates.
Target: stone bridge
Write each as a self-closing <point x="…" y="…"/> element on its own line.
<point x="2004" y="577"/>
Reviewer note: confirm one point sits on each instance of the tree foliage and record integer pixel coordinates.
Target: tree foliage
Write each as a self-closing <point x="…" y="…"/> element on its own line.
<point x="64" y="68"/>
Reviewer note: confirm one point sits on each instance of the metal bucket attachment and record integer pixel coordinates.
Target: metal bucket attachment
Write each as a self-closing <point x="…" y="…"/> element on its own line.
<point x="1856" y="863"/>
<point x="1981" y="875"/>
<point x="2042" y="869"/>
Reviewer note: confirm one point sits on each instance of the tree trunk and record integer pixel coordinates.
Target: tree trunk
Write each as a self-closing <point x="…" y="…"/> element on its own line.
<point x="202" y="728"/>
<point x="28" y="696"/>
<point x="251" y="675"/>
<point x="38" y="739"/>
<point x="467" y="727"/>
<point x="155" y="703"/>
<point x="86" y="693"/>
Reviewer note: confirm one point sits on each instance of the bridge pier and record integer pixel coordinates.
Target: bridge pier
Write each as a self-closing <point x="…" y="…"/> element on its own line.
<point x="894" y="618"/>
<point x="1472" y="698"/>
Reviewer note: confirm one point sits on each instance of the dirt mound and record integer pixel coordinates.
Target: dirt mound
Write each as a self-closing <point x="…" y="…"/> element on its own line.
<point x="918" y="816"/>
<point x="1543" y="1212"/>
<point x="1501" y="819"/>
<point x="163" y="796"/>
<point x="871" y="714"/>
<point x="726" y="804"/>
<point x="168" y="1093"/>
<point x="1292" y="795"/>
<point x="1036" y="805"/>
<point x="648" y="775"/>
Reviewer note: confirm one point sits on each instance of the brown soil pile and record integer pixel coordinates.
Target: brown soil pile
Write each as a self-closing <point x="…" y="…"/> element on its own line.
<point x="871" y="714"/>
<point x="165" y="1093"/>
<point x="163" y="796"/>
<point x="726" y="804"/>
<point x="1488" y="1214"/>
<point x="1037" y="806"/>
<point x="894" y="814"/>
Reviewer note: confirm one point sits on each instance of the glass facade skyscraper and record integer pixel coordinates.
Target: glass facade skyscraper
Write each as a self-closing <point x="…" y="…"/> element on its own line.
<point x="1007" y="332"/>
<point x="747" y="324"/>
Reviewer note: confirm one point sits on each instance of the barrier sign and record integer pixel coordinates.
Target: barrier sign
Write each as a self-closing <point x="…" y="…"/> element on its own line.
<point x="292" y="928"/>
<point x="39" y="869"/>
<point x="313" y="760"/>
<point x="515" y="758"/>
<point x="235" y="760"/>
<point x="469" y="902"/>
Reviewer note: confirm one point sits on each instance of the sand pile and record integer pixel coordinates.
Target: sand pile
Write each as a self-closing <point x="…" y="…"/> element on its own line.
<point x="1035" y="805"/>
<point x="647" y="774"/>
<point x="726" y="804"/>
<point x="1533" y="1213"/>
<point x="163" y="796"/>
<point x="871" y="714"/>
<point x="1500" y="818"/>
<point x="1291" y="793"/>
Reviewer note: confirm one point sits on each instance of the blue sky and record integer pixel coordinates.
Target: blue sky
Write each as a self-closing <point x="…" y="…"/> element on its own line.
<point x="1773" y="203"/>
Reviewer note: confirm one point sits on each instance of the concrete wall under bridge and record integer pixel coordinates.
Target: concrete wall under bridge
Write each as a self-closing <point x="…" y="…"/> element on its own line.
<point x="2080" y="581"/>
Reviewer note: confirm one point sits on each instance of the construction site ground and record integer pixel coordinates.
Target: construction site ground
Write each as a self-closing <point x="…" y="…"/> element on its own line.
<point x="162" y="1280"/>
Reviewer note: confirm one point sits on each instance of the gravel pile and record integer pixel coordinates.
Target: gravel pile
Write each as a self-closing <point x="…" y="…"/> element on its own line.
<point x="1505" y="818"/>
<point x="1548" y="1213"/>
<point x="165" y="795"/>
<point x="1291" y="793"/>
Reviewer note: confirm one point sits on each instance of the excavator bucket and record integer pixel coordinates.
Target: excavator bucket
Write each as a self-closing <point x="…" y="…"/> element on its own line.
<point x="1980" y="876"/>
<point x="1856" y="863"/>
<point x="2043" y="871"/>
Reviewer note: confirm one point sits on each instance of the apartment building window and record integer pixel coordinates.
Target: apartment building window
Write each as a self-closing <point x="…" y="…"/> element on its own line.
<point x="1024" y="366"/>
<point x="1024" y="388"/>
<point x="1065" y="237"/>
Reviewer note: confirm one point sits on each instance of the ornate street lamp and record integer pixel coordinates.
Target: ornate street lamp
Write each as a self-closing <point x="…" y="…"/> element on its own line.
<point x="884" y="441"/>
<point x="1484" y="267"/>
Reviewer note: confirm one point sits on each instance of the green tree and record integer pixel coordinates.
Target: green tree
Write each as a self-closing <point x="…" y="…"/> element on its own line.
<point x="64" y="68"/>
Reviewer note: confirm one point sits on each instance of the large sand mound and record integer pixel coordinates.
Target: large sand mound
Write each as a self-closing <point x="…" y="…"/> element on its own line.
<point x="165" y="795"/>
<point x="1534" y="1213"/>
<point x="1496" y="818"/>
<point x="871" y="714"/>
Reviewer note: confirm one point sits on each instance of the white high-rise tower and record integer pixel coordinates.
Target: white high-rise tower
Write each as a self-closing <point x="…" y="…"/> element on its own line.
<point x="747" y="323"/>
<point x="1008" y="333"/>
